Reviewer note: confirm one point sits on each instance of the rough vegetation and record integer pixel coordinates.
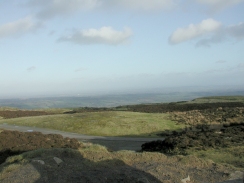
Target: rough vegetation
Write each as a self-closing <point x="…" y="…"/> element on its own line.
<point x="221" y="116"/>
<point x="181" y="107"/>
<point x="92" y="164"/>
<point x="217" y="127"/>
<point x="14" y="142"/>
<point x="21" y="113"/>
<point x="179" y="142"/>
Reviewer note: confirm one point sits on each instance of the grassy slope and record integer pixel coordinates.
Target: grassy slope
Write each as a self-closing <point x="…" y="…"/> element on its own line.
<point x="107" y="123"/>
<point x="129" y="123"/>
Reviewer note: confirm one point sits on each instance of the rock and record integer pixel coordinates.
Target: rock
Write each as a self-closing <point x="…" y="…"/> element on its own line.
<point x="39" y="161"/>
<point x="185" y="180"/>
<point x="237" y="175"/>
<point x="58" y="160"/>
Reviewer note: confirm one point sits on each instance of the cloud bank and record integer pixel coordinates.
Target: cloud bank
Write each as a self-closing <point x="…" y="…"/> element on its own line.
<point x="146" y="5"/>
<point x="51" y="8"/>
<point x="104" y="35"/>
<point x="18" y="27"/>
<point x="217" y="5"/>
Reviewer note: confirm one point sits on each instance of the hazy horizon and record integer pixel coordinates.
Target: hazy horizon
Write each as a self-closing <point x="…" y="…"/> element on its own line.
<point x="218" y="90"/>
<point x="91" y="47"/>
<point x="114" y="100"/>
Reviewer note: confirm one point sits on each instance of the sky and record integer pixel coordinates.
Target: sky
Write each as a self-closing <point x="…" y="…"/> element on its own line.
<point x="89" y="47"/>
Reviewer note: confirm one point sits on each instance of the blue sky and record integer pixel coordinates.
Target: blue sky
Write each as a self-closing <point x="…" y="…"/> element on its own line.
<point x="61" y="47"/>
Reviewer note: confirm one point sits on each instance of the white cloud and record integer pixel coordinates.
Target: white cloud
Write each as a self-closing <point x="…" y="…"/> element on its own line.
<point x="104" y="35"/>
<point x="52" y="8"/>
<point x="219" y="2"/>
<point x="210" y="31"/>
<point x="194" y="30"/>
<point x="146" y="5"/>
<point x="216" y="5"/>
<point x="18" y="27"/>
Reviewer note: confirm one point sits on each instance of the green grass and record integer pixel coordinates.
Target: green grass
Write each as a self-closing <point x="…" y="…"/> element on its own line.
<point x="232" y="155"/>
<point x="107" y="123"/>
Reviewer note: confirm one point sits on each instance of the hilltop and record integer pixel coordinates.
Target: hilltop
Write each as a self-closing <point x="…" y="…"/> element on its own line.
<point x="214" y="157"/>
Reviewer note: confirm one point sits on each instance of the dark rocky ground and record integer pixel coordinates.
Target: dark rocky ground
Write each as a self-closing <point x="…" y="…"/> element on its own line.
<point x="14" y="142"/>
<point x="182" y="107"/>
<point x="179" y="142"/>
<point x="21" y="113"/>
<point x="208" y="126"/>
<point x="92" y="165"/>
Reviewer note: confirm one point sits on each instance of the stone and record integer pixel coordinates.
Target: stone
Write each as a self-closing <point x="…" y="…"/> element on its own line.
<point x="237" y="175"/>
<point x="185" y="180"/>
<point x="39" y="161"/>
<point x="58" y="160"/>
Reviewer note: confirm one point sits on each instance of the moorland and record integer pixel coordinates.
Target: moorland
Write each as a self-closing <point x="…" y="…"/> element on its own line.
<point x="204" y="138"/>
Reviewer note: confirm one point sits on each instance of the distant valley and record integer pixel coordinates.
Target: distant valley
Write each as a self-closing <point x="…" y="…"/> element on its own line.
<point x="109" y="100"/>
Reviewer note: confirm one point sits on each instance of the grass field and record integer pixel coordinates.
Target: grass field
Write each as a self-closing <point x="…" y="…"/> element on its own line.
<point x="106" y="123"/>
